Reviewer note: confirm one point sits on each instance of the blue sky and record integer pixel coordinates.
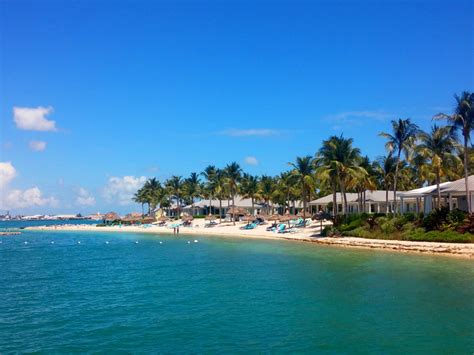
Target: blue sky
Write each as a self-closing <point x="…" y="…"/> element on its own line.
<point x="141" y="89"/>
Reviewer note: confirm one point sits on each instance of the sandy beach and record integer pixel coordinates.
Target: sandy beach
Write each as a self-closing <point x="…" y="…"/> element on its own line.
<point x="308" y="234"/>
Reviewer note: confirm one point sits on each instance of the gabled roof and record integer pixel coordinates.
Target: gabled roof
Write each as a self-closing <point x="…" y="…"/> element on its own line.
<point x="422" y="191"/>
<point x="458" y="185"/>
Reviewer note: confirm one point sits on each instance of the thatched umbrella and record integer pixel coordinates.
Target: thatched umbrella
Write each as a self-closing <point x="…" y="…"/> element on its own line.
<point x="163" y="219"/>
<point x="275" y="217"/>
<point x="303" y="214"/>
<point x="234" y="210"/>
<point x="263" y="216"/>
<point x="210" y="217"/>
<point x="321" y="216"/>
<point x="287" y="217"/>
<point x="187" y="218"/>
<point x="248" y="218"/>
<point x="111" y="216"/>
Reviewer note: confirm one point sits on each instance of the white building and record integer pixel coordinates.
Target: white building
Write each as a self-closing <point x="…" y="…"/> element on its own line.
<point x="369" y="201"/>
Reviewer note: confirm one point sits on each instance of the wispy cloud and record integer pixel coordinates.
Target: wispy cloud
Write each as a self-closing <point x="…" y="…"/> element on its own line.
<point x="354" y="115"/>
<point x="353" y="118"/>
<point x="250" y="160"/>
<point x="250" y="132"/>
<point x="37" y="146"/>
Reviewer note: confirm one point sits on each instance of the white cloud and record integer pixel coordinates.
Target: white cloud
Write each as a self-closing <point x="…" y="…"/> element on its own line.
<point x="37" y="146"/>
<point x="15" y="198"/>
<point x="84" y="198"/>
<point x="33" y="119"/>
<point x="121" y="189"/>
<point x="354" y="116"/>
<point x="7" y="174"/>
<point x="262" y="132"/>
<point x="251" y="160"/>
<point x="32" y="197"/>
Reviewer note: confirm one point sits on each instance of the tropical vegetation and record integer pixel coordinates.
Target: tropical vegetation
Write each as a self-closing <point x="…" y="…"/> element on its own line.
<point x="414" y="158"/>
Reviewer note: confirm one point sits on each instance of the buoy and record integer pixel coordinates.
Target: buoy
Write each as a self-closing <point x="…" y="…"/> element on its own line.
<point x="107" y="242"/>
<point x="52" y="242"/>
<point x="25" y="242"/>
<point x="195" y="240"/>
<point x="136" y="242"/>
<point x="161" y="242"/>
<point x="189" y="242"/>
<point x="79" y="242"/>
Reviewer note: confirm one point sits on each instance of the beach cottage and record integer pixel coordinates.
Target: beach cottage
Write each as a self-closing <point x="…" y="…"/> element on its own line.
<point x="377" y="201"/>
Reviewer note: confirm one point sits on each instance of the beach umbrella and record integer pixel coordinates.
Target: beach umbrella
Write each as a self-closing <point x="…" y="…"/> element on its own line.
<point x="275" y="217"/>
<point x="210" y="217"/>
<point x="287" y="217"/>
<point x="111" y="216"/>
<point x="302" y="214"/>
<point x="248" y="218"/>
<point x="236" y="210"/>
<point x="321" y="216"/>
<point x="262" y="216"/>
<point x="163" y="219"/>
<point x="187" y="218"/>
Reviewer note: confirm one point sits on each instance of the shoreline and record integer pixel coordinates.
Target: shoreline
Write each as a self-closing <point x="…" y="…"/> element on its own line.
<point x="308" y="234"/>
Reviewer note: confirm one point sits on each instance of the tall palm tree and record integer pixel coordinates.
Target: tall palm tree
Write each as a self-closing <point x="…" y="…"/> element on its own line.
<point x="192" y="188"/>
<point x="174" y="186"/>
<point x="463" y="120"/>
<point x="221" y="191"/>
<point x="249" y="188"/>
<point x="303" y="170"/>
<point x="402" y="139"/>
<point x="439" y="147"/>
<point x="385" y="169"/>
<point x="210" y="174"/>
<point x="341" y="160"/>
<point x="266" y="190"/>
<point x="141" y="198"/>
<point x="233" y="173"/>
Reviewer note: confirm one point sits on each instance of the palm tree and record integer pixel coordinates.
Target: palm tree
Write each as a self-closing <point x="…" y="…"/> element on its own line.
<point x="285" y="189"/>
<point x="266" y="189"/>
<point x="192" y="188"/>
<point x="385" y="168"/>
<point x="233" y="174"/>
<point x="210" y="174"/>
<point x="220" y="190"/>
<point x="341" y="160"/>
<point x="174" y="186"/>
<point x="439" y="147"/>
<point x="249" y="188"/>
<point x="303" y="170"/>
<point x="463" y="119"/>
<point x="140" y="197"/>
<point x="402" y="139"/>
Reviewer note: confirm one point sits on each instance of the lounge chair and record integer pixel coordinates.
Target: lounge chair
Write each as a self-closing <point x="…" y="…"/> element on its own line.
<point x="249" y="226"/>
<point x="272" y="227"/>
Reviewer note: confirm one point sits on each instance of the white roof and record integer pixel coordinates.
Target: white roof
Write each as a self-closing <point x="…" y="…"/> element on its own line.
<point x="370" y="196"/>
<point x="421" y="191"/>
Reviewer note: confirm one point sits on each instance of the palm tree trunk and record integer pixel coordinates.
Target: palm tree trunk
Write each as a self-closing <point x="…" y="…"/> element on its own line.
<point x="344" y="199"/>
<point x="334" y="200"/>
<point x="386" y="199"/>
<point x="395" y="181"/>
<point x="466" y="174"/>
<point x="253" y="207"/>
<point x="220" y="210"/>
<point x="210" y="204"/>
<point x="438" y="203"/>
<point x="233" y="204"/>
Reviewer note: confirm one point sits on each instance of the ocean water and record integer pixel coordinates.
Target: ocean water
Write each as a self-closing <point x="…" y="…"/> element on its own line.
<point x="131" y="293"/>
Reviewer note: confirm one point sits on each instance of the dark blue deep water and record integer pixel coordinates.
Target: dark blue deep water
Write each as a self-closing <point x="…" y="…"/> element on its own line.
<point x="227" y="295"/>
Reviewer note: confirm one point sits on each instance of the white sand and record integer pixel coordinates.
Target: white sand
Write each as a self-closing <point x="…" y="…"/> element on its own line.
<point x="308" y="234"/>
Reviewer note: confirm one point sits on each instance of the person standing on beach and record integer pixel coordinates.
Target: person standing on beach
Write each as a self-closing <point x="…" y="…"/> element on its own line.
<point x="177" y="230"/>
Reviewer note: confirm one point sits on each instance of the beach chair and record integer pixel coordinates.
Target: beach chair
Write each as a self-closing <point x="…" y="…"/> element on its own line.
<point x="249" y="226"/>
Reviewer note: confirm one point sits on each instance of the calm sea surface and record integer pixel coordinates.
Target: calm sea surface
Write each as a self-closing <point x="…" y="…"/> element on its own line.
<point x="111" y="294"/>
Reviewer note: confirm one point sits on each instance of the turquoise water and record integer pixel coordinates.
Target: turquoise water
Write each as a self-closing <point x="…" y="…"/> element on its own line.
<point x="227" y="295"/>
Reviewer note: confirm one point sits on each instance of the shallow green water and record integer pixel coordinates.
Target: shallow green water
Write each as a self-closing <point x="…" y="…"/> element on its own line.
<point x="227" y="295"/>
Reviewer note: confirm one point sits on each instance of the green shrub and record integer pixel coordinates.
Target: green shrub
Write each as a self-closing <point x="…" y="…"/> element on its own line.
<point x="388" y="226"/>
<point x="439" y="236"/>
